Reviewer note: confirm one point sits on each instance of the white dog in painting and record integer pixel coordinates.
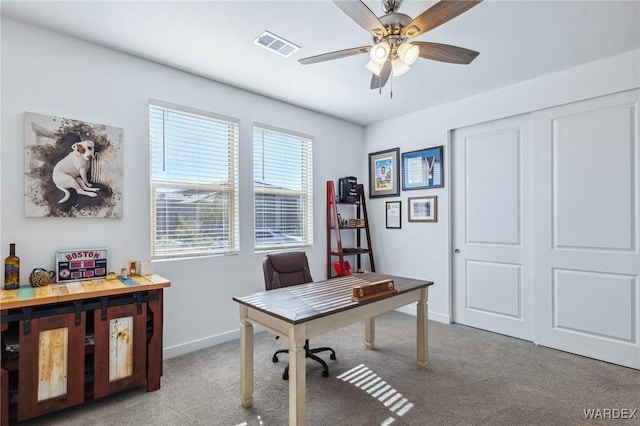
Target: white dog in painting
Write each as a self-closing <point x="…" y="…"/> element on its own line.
<point x="71" y="171"/>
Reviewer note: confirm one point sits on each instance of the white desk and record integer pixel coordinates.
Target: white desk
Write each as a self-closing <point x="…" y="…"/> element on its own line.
<point x="304" y="311"/>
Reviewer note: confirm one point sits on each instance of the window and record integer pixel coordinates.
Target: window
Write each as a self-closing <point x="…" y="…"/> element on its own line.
<point x="282" y="189"/>
<point x="194" y="182"/>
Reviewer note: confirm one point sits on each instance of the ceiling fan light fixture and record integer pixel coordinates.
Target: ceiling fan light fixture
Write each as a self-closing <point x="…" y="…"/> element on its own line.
<point x="398" y="67"/>
<point x="380" y="52"/>
<point x="408" y="53"/>
<point x="374" y="68"/>
<point x="391" y="52"/>
<point x="411" y="31"/>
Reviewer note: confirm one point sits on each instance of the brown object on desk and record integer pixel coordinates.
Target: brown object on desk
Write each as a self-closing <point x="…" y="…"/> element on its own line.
<point x="364" y="292"/>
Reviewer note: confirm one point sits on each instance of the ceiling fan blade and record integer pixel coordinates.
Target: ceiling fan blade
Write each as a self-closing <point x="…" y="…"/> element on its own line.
<point x="378" y="81"/>
<point x="436" y="15"/>
<point x="334" y="55"/>
<point x="363" y="16"/>
<point x="445" y="52"/>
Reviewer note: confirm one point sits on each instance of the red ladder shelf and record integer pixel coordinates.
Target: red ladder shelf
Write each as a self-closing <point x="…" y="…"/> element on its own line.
<point x="335" y="248"/>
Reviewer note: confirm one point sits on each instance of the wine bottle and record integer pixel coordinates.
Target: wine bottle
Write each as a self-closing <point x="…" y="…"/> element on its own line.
<point x="12" y="269"/>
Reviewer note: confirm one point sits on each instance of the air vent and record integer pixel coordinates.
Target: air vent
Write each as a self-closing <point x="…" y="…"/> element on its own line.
<point x="276" y="44"/>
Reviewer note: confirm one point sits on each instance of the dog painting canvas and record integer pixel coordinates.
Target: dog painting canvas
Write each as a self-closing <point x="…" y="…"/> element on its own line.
<point x="72" y="168"/>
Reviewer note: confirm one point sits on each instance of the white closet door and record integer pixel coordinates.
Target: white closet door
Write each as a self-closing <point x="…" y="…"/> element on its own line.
<point x="586" y="233"/>
<point x="491" y="229"/>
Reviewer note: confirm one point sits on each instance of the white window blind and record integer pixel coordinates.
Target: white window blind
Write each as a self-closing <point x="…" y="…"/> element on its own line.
<point x="283" y="189"/>
<point x="194" y="182"/>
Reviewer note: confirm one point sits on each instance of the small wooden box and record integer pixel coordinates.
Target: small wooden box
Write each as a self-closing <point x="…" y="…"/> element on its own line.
<point x="373" y="290"/>
<point x="356" y="223"/>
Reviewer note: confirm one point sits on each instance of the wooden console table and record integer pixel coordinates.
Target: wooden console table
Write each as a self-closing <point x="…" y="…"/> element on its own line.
<point x="63" y="344"/>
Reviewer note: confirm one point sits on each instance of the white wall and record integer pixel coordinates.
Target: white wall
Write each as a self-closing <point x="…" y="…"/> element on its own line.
<point x="47" y="73"/>
<point x="423" y="250"/>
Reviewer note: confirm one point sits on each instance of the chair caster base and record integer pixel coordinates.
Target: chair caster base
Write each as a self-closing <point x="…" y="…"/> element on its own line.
<point x="333" y="357"/>
<point x="325" y="373"/>
<point x="274" y="359"/>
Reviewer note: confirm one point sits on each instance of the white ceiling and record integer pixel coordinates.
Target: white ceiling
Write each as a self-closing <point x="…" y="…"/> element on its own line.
<point x="517" y="41"/>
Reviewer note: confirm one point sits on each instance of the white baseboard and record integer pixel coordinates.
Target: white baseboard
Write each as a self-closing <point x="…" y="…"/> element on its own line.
<point x="434" y="316"/>
<point x="185" y="348"/>
<point x="445" y="319"/>
<point x="195" y="345"/>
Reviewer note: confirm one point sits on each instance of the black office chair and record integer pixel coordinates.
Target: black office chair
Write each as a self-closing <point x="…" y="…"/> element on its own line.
<point x="283" y="270"/>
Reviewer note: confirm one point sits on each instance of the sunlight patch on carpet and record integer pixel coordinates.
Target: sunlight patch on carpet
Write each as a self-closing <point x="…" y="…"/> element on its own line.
<point x="363" y="378"/>
<point x="258" y="418"/>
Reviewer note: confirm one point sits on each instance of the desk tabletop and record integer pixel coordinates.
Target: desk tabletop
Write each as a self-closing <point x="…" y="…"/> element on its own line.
<point x="64" y="292"/>
<point x="305" y="302"/>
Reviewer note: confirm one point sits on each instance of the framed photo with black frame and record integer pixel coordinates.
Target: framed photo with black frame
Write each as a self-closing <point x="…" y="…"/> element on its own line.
<point x="384" y="173"/>
<point x="423" y="209"/>
<point x="422" y="169"/>
<point x="394" y="214"/>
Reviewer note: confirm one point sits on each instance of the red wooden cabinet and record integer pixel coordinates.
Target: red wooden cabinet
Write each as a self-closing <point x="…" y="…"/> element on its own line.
<point x="66" y="343"/>
<point x="51" y="364"/>
<point x="120" y="349"/>
<point x="4" y="382"/>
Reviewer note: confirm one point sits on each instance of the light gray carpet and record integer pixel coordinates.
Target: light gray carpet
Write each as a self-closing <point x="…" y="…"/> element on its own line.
<point x="474" y="377"/>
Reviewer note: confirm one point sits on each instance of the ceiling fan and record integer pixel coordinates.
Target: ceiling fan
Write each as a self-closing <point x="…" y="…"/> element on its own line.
<point x="392" y="52"/>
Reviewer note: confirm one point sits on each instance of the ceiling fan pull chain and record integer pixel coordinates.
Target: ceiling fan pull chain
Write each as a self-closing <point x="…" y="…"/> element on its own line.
<point x="391" y="89"/>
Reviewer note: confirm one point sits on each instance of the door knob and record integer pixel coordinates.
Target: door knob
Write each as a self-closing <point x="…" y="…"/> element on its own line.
<point x="456" y="251"/>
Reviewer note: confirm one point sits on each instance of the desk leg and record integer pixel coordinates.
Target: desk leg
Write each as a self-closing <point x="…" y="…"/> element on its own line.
<point x="370" y="333"/>
<point x="297" y="376"/>
<point x="246" y="359"/>
<point x="423" y="337"/>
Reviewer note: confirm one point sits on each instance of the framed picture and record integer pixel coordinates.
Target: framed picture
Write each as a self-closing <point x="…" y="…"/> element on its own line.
<point x="384" y="173"/>
<point x="73" y="168"/>
<point x="394" y="214"/>
<point x="423" y="209"/>
<point x="422" y="169"/>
